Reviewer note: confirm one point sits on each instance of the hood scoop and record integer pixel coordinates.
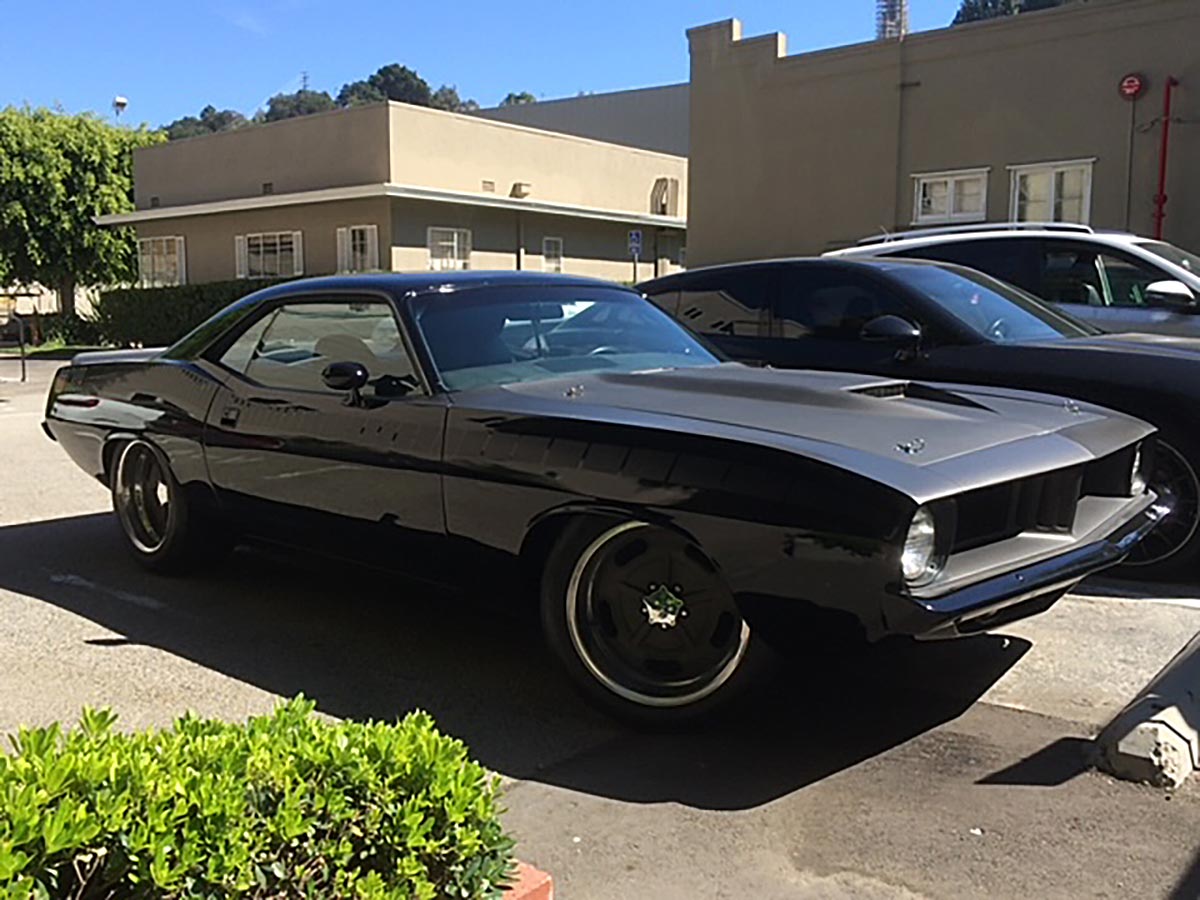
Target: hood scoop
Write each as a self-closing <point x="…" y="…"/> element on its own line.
<point x="900" y="390"/>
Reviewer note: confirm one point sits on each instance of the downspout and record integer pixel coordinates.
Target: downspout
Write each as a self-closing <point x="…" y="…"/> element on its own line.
<point x="1160" y="199"/>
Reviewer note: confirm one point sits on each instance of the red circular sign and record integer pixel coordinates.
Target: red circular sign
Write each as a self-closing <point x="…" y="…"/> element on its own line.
<point x="1132" y="86"/>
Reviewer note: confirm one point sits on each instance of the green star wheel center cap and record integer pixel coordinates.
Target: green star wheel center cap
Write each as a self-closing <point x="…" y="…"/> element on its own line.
<point x="663" y="607"/>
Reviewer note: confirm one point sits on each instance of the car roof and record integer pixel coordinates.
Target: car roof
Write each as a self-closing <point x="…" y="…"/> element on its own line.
<point x="955" y="236"/>
<point x="863" y="262"/>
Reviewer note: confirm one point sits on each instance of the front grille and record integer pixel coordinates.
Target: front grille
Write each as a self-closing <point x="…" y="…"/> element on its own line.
<point x="1041" y="503"/>
<point x="1044" y="503"/>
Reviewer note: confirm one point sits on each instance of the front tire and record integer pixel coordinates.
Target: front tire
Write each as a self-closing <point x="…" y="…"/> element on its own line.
<point x="644" y="624"/>
<point x="1173" y="547"/>
<point x="162" y="530"/>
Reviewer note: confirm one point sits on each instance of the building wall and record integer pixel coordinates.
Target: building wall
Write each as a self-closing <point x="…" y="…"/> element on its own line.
<point x="209" y="239"/>
<point x="335" y="149"/>
<point x="591" y="247"/>
<point x="435" y="149"/>
<point x="798" y="155"/>
<point x="652" y="118"/>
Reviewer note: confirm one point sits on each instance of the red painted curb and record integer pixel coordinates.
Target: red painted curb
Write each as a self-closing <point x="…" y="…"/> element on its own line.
<point x="531" y="884"/>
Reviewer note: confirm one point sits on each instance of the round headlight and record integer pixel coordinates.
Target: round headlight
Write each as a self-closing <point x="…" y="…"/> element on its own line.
<point x="1137" y="477"/>
<point x="918" y="563"/>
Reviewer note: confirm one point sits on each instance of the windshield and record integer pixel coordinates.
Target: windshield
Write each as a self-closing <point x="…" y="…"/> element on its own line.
<point x="992" y="309"/>
<point x="495" y="336"/>
<point x="1173" y="254"/>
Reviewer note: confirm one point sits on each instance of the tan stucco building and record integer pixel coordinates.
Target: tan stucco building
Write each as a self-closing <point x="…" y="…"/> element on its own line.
<point x="402" y="188"/>
<point x="1018" y="118"/>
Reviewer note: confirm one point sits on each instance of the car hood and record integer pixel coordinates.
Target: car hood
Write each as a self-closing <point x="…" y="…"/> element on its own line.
<point x="1161" y="346"/>
<point x="863" y="422"/>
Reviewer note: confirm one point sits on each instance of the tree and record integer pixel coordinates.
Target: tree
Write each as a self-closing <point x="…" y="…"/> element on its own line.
<point x="446" y="97"/>
<point x="301" y="103"/>
<point x="390" y="82"/>
<point x="57" y="174"/>
<point x="210" y="121"/>
<point x="518" y="99"/>
<point x="976" y="10"/>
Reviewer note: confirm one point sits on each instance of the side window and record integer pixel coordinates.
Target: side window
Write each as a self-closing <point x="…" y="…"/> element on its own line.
<point x="731" y="305"/>
<point x="832" y="305"/>
<point x="290" y="347"/>
<point x="667" y="301"/>
<point x="1070" y="274"/>
<point x="1128" y="279"/>
<point x="1011" y="260"/>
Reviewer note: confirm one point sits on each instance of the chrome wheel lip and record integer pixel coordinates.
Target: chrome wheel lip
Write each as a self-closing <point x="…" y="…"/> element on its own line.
<point x="131" y="499"/>
<point x="585" y="656"/>
<point x="1131" y="563"/>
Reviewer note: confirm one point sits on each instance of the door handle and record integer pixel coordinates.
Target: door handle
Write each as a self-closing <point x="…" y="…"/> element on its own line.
<point x="229" y="416"/>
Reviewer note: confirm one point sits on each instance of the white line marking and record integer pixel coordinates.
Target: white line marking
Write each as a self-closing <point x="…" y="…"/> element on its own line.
<point x="135" y="599"/>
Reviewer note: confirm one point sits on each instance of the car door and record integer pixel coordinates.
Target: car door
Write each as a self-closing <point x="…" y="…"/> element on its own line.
<point x="818" y="314"/>
<point x="1125" y="280"/>
<point x="295" y="461"/>
<point x="730" y="307"/>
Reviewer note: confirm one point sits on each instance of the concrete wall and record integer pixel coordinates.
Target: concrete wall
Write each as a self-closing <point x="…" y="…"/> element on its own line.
<point x="796" y="155"/>
<point x="208" y="239"/>
<point x="335" y="149"/>
<point x="443" y="150"/>
<point x="652" y="118"/>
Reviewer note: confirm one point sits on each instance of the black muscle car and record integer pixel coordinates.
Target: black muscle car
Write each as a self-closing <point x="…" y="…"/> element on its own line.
<point x="675" y="511"/>
<point x="924" y="320"/>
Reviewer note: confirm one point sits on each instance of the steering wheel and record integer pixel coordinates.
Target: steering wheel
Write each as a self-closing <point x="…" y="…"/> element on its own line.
<point x="999" y="330"/>
<point x="596" y="351"/>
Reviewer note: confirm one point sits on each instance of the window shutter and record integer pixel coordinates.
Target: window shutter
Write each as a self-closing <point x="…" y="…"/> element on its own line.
<point x="343" y="249"/>
<point x="372" y="247"/>
<point x="181" y="256"/>
<point x="297" y="252"/>
<point x="239" y="253"/>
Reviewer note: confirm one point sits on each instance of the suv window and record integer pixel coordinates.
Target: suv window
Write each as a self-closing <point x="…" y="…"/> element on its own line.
<point x="733" y="304"/>
<point x="831" y="304"/>
<point x="289" y="347"/>
<point x="1014" y="260"/>
<point x="1070" y="274"/>
<point x="1127" y="279"/>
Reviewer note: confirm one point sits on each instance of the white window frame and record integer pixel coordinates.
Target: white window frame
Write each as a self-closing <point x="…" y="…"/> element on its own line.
<point x="241" y="252"/>
<point x="1052" y="169"/>
<point x="436" y="235"/>
<point x="347" y="260"/>
<point x="549" y="242"/>
<point x="158" y="248"/>
<point x="951" y="177"/>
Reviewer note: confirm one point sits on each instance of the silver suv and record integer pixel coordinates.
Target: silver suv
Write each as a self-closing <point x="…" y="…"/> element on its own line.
<point x="1113" y="280"/>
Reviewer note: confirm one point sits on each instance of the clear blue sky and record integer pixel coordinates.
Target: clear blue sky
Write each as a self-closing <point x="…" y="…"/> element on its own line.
<point x="171" y="57"/>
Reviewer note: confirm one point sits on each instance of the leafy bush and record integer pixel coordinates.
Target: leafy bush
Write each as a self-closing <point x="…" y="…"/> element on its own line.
<point x="74" y="331"/>
<point x="286" y="805"/>
<point x="156" y="317"/>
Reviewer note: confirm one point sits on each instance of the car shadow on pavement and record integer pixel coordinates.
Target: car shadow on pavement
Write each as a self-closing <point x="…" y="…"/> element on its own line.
<point x="368" y="645"/>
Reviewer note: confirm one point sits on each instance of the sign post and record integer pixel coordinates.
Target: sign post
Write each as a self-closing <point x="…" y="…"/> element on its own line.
<point x="635" y="250"/>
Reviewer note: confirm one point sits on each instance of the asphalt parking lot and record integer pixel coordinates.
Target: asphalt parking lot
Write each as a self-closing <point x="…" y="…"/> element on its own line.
<point x="949" y="770"/>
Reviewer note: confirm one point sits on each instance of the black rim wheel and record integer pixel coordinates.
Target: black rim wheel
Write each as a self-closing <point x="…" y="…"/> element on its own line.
<point x="651" y="618"/>
<point x="144" y="496"/>
<point x="1175" y="482"/>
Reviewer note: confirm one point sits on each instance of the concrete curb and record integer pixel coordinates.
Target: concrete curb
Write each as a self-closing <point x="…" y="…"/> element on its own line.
<point x="1156" y="738"/>
<point x="531" y="884"/>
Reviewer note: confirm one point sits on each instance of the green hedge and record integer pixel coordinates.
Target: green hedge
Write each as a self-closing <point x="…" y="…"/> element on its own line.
<point x="154" y="317"/>
<point x="286" y="805"/>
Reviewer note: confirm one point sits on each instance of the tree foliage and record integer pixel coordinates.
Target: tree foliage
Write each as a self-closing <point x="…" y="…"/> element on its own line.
<point x="58" y="173"/>
<point x="390" y="82"/>
<point x="977" y="10"/>
<point x="210" y="121"/>
<point x="446" y="97"/>
<point x="515" y="99"/>
<point x="301" y="103"/>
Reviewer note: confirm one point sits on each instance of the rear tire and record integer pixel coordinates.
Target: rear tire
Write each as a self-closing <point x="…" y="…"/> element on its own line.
<point x="1173" y="548"/>
<point x="644" y="624"/>
<point x="161" y="528"/>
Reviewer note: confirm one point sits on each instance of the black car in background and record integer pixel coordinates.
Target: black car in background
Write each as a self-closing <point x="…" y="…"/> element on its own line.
<point x="923" y="320"/>
<point x="673" y="511"/>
